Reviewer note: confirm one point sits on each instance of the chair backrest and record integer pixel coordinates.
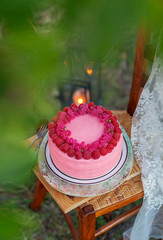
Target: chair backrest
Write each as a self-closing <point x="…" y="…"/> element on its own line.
<point x="144" y="53"/>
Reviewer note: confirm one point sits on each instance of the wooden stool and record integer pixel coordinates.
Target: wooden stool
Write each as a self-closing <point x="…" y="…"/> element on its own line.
<point x="131" y="190"/>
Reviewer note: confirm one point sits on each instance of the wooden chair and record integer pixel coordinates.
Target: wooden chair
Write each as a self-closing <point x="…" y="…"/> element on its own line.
<point x="131" y="190"/>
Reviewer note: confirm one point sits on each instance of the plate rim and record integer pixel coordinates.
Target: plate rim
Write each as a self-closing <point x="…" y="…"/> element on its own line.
<point x="85" y="190"/>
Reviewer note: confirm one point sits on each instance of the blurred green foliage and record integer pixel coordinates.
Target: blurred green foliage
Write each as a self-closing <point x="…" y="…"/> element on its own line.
<point x="34" y="37"/>
<point x="16" y="224"/>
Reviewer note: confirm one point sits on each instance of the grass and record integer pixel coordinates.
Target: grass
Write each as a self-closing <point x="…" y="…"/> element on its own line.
<point x="48" y="223"/>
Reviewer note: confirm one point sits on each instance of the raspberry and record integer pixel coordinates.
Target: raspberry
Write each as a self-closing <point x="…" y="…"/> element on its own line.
<point x="78" y="155"/>
<point x="91" y="104"/>
<point x="103" y="151"/>
<point x="59" y="142"/>
<point x="113" y="141"/>
<point x="58" y="113"/>
<point x="113" y="119"/>
<point x="109" y="112"/>
<point x="96" y="154"/>
<point x="71" y="152"/>
<point x="51" y="125"/>
<point x="55" y="119"/>
<point x="87" y="155"/>
<point x="116" y="136"/>
<point x="117" y="130"/>
<point x="74" y="105"/>
<point x="81" y="105"/>
<point x="65" y="109"/>
<point x="64" y="147"/>
<point x="109" y="147"/>
<point x="54" y="137"/>
<point x="115" y="124"/>
<point x="104" y="109"/>
<point x="51" y="132"/>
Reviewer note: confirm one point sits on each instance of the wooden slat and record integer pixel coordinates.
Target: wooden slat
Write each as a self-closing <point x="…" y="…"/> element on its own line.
<point x="117" y="220"/>
<point x="138" y="70"/>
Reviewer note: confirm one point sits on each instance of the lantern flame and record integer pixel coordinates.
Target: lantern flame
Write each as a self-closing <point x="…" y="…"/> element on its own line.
<point x="65" y="63"/>
<point x="89" y="71"/>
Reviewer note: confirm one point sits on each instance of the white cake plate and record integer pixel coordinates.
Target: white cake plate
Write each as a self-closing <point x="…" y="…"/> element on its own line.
<point x="85" y="187"/>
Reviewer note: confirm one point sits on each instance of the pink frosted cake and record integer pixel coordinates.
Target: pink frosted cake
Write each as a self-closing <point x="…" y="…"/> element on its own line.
<point x="85" y="141"/>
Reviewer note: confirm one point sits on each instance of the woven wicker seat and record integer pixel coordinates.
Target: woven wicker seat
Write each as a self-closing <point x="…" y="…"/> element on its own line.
<point x="131" y="190"/>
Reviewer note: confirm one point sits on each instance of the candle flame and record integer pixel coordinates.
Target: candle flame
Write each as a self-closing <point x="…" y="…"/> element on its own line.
<point x="80" y="100"/>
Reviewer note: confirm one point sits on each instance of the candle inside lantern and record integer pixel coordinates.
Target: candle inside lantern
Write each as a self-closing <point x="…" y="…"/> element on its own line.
<point x="80" y="100"/>
<point x="79" y="96"/>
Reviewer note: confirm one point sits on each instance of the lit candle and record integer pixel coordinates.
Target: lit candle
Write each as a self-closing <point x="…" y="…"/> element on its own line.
<point x="80" y="100"/>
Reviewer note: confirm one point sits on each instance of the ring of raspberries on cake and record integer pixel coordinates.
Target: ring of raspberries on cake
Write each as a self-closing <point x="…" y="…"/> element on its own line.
<point x="83" y="135"/>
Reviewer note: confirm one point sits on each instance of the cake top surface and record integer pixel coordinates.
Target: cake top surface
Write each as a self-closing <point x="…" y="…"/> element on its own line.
<point x="85" y="131"/>
<point x="87" y="128"/>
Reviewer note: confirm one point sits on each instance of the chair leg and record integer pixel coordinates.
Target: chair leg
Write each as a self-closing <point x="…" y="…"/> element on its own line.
<point x="39" y="195"/>
<point x="71" y="225"/>
<point x="87" y="223"/>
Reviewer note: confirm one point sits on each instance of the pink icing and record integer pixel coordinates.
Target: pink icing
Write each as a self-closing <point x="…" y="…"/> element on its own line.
<point x="87" y="128"/>
<point x="85" y="168"/>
